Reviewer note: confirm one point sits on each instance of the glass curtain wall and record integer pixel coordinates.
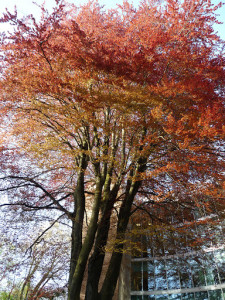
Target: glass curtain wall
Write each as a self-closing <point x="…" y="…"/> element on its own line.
<point x="169" y="262"/>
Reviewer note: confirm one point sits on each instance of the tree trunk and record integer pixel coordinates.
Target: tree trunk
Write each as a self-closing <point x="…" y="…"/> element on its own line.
<point x="109" y="285"/>
<point x="77" y="222"/>
<point x="77" y="227"/>
<point x="97" y="258"/>
<point x="77" y="277"/>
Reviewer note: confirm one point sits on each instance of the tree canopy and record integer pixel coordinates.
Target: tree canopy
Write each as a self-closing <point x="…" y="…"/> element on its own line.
<point x="105" y="113"/>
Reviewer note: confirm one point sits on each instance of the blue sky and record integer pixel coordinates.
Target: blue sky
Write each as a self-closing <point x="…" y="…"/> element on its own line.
<point x="26" y="7"/>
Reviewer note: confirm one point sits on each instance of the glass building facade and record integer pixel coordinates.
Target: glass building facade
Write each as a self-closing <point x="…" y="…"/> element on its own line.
<point x="197" y="276"/>
<point x="176" y="263"/>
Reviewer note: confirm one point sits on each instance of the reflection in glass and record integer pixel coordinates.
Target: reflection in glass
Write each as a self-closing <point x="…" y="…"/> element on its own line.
<point x="220" y="258"/>
<point x="198" y="274"/>
<point x="151" y="282"/>
<point x="170" y="261"/>
<point x="136" y="266"/>
<point x="136" y="298"/>
<point x="216" y="276"/>
<point x="161" y="297"/>
<point x="201" y="296"/>
<point x="209" y="277"/>
<point x="136" y="282"/>
<point x="148" y="276"/>
<point x="150" y="266"/>
<point x="136" y="276"/>
<point x="147" y="246"/>
<point x="160" y="281"/>
<point x="223" y="292"/>
<point x="215" y="295"/>
<point x="172" y="274"/>
<point x="198" y="277"/>
<point x="175" y="297"/>
<point x="150" y="297"/>
<point x="185" y="279"/>
<point x="159" y="266"/>
<point x="160" y="275"/>
<point x="170" y="247"/>
<point x="185" y="274"/>
<point x="173" y="281"/>
<point x="188" y="296"/>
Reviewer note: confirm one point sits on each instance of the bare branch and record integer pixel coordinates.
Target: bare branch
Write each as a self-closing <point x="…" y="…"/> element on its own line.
<point x="38" y="238"/>
<point x="38" y="185"/>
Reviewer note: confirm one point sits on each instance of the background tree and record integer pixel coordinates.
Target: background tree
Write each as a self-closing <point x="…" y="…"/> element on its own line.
<point x="33" y="269"/>
<point x="106" y="109"/>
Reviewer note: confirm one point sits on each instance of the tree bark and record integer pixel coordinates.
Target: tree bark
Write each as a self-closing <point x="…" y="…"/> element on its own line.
<point x="109" y="284"/>
<point x="77" y="222"/>
<point x="77" y="278"/>
<point x="112" y="274"/>
<point x="97" y="258"/>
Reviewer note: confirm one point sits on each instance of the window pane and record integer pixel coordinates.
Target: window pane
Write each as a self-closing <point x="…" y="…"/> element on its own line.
<point x="198" y="275"/>
<point x="201" y="296"/>
<point x="170" y="246"/>
<point x="136" y="298"/>
<point x="211" y="272"/>
<point x="137" y="245"/>
<point x="136" y="282"/>
<point x="160" y="275"/>
<point x="150" y="297"/>
<point x="150" y="267"/>
<point x="185" y="274"/>
<point x="160" y="281"/>
<point x="188" y="296"/>
<point x="215" y="295"/>
<point x="220" y="258"/>
<point x="136" y="276"/>
<point x="159" y="266"/>
<point x="172" y="274"/>
<point x="145" y="276"/>
<point x="151" y="282"/>
<point x="209" y="277"/>
<point x="175" y="297"/>
<point x="216" y="276"/>
<point x="158" y="245"/>
<point x="173" y="282"/>
<point x="222" y="272"/>
<point x="147" y="246"/>
<point x="136" y="266"/>
<point x="148" y="276"/>
<point x="161" y="297"/>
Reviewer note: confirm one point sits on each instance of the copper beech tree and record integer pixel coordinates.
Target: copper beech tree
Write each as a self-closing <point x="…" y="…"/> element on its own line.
<point x="107" y="112"/>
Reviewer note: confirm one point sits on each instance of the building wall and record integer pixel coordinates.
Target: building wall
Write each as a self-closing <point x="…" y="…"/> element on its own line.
<point x="171" y="263"/>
